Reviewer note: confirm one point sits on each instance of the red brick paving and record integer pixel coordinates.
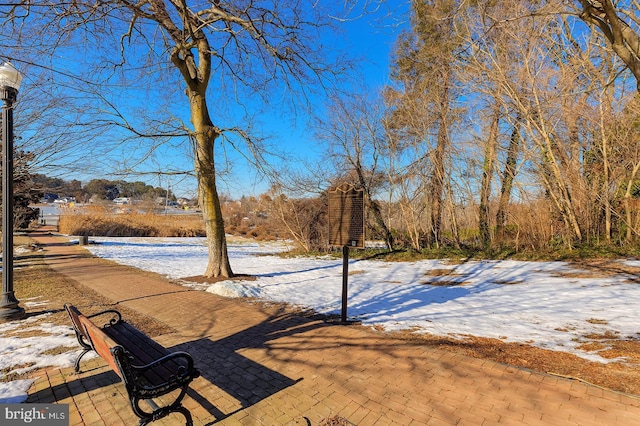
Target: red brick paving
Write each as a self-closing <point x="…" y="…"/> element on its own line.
<point x="264" y="367"/>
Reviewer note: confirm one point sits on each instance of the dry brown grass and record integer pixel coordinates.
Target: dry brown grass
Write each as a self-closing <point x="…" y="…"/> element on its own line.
<point x="99" y="221"/>
<point x="102" y="221"/>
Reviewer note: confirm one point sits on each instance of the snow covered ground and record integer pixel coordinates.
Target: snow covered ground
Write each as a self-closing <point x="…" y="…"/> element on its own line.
<point x="546" y="304"/>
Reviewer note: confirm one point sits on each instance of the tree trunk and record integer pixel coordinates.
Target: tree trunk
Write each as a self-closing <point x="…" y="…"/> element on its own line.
<point x="485" y="185"/>
<point x="605" y="168"/>
<point x="197" y="74"/>
<point x="455" y="229"/>
<point x="621" y="36"/>
<point x="437" y="185"/>
<point x="205" y="136"/>
<point x="627" y="204"/>
<point x="508" y="175"/>
<point x="437" y="177"/>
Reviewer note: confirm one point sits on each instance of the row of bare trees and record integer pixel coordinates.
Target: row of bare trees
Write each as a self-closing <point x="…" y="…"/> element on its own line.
<point x="506" y="123"/>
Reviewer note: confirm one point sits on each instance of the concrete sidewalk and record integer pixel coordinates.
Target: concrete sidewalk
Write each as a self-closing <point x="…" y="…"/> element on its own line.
<point x="262" y="366"/>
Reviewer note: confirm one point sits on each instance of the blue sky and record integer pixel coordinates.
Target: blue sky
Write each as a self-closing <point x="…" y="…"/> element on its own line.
<point x="370" y="38"/>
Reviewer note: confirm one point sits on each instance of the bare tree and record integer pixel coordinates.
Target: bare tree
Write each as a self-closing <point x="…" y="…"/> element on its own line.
<point x="239" y="48"/>
<point x="619" y="24"/>
<point x="422" y="99"/>
<point x="543" y="100"/>
<point x="303" y="219"/>
<point x="355" y="138"/>
<point x="533" y="90"/>
<point x="490" y="158"/>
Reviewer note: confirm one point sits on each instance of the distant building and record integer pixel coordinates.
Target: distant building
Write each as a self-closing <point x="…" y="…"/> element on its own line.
<point x="64" y="200"/>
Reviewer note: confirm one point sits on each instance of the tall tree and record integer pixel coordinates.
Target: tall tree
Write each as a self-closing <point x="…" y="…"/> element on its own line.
<point x="218" y="48"/>
<point x="489" y="70"/>
<point x="507" y="179"/>
<point x="422" y="98"/>
<point x="490" y="154"/>
<point x="540" y="97"/>
<point x="619" y="23"/>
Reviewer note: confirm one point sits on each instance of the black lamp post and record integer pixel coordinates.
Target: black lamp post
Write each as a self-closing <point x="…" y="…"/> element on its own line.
<point x="10" y="80"/>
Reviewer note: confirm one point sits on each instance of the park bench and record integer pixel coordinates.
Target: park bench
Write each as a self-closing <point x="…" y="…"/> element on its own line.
<point x="147" y="369"/>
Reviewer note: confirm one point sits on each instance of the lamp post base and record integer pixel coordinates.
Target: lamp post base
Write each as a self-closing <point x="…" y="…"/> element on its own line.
<point x="11" y="313"/>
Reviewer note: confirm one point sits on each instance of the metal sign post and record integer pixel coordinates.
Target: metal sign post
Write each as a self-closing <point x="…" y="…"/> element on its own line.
<point x="346" y="229"/>
<point x="345" y="282"/>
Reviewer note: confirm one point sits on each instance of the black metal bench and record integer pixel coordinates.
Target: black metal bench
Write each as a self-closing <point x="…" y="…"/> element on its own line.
<point x="147" y="369"/>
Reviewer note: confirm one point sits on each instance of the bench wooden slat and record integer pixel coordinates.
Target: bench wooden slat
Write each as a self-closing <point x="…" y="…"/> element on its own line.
<point x="100" y="342"/>
<point x="143" y="351"/>
<point x="140" y="346"/>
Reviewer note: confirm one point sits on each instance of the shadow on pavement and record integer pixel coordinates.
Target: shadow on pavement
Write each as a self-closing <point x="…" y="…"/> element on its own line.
<point x="221" y="363"/>
<point x="77" y="385"/>
<point x="246" y="380"/>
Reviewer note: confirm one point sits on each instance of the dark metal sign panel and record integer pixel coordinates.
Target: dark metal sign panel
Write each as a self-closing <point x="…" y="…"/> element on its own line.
<point x="346" y="216"/>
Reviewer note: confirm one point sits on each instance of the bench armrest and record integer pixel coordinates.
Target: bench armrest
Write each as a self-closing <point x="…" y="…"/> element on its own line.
<point x="116" y="316"/>
<point x="172" y="357"/>
<point x="133" y="375"/>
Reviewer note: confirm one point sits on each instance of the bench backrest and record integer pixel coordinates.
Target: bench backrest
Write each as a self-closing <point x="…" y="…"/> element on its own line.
<point x="74" y="315"/>
<point x="100" y="342"/>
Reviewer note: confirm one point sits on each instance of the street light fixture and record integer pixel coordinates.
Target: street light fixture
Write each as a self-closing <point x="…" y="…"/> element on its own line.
<point x="10" y="80"/>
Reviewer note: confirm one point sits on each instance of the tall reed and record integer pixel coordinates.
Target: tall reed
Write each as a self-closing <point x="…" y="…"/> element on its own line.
<point x="104" y="221"/>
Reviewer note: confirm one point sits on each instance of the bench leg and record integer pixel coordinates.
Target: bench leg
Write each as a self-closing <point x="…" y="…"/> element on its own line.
<point x="160" y="412"/>
<point x="165" y="412"/>
<point x="76" y="367"/>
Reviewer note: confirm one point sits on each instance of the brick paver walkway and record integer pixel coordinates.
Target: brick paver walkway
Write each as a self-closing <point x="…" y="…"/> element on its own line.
<point x="265" y="367"/>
